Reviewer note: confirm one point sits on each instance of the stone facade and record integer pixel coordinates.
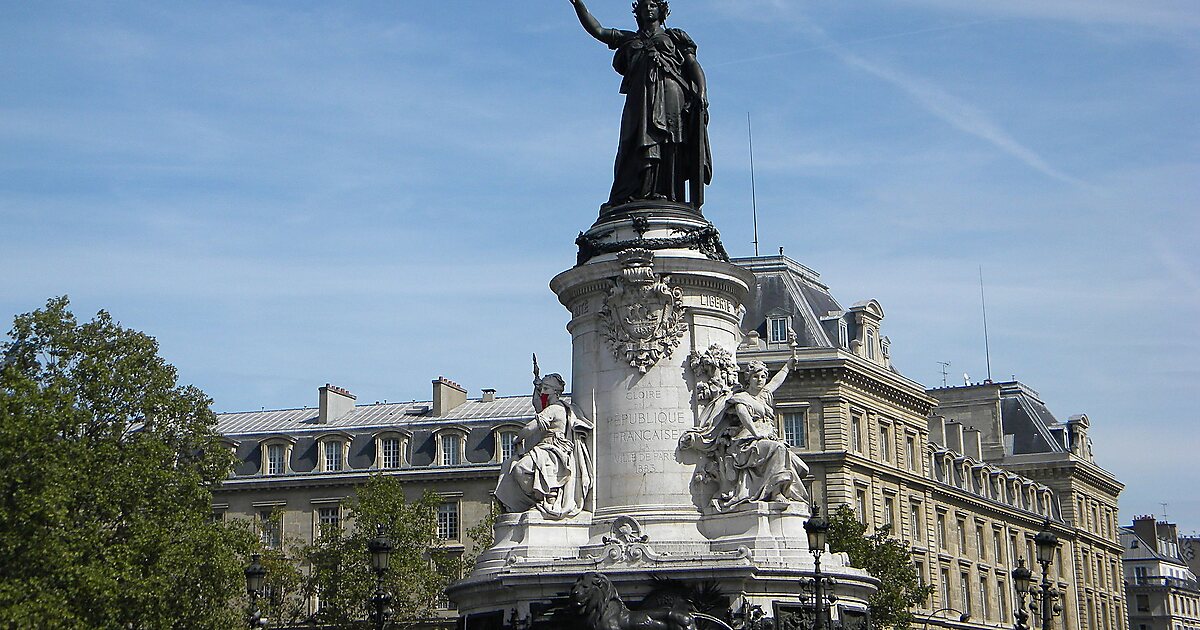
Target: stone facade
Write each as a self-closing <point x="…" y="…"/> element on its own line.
<point x="303" y="465"/>
<point x="1160" y="583"/>
<point x="966" y="475"/>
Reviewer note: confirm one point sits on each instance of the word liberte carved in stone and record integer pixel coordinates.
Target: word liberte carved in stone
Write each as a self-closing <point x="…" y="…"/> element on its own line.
<point x="643" y="316"/>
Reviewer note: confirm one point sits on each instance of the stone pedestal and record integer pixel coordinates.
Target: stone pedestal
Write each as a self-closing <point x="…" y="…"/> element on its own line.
<point x="771" y="532"/>
<point x="636" y="315"/>
<point x="652" y="286"/>
<point x="531" y="536"/>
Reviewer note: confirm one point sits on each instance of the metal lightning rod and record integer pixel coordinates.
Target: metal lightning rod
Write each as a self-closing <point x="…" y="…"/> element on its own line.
<point x="753" y="194"/>
<point x="987" y="353"/>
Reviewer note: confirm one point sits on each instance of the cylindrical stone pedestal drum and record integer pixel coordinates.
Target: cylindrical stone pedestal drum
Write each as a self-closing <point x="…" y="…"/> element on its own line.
<point x="636" y="316"/>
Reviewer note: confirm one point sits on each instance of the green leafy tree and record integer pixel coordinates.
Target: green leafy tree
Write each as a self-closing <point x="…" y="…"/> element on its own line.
<point x="885" y="558"/>
<point x="339" y="565"/>
<point x="106" y="471"/>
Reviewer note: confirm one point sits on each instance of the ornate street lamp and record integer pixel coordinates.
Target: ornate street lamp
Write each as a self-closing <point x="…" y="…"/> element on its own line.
<point x="1021" y="577"/>
<point x="963" y="617"/>
<point x="255" y="575"/>
<point x="1044" y="594"/>
<point x="817" y="529"/>
<point x="380" y="548"/>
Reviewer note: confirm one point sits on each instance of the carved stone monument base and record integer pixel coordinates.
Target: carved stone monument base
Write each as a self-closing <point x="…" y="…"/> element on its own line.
<point x="531" y="536"/>
<point x="770" y="531"/>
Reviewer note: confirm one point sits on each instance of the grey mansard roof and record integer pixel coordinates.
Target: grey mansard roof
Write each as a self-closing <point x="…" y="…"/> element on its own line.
<point x="379" y="415"/>
<point x="786" y="287"/>
<point x="477" y="419"/>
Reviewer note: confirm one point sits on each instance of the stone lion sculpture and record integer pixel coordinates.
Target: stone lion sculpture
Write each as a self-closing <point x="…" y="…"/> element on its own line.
<point x="598" y="602"/>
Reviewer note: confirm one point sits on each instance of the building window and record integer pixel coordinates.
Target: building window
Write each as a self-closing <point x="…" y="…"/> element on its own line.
<point x="843" y="334"/>
<point x="870" y="344"/>
<point x="389" y="453"/>
<point x="889" y="512"/>
<point x="984" y="611"/>
<point x="964" y="583"/>
<point x="1002" y="600"/>
<point x="997" y="546"/>
<point x="946" y="588"/>
<point x="910" y="452"/>
<point x="329" y="520"/>
<point x="447" y="520"/>
<point x="962" y="536"/>
<point x="980" y="545"/>
<point x="777" y="330"/>
<point x="885" y="444"/>
<point x="941" y="530"/>
<point x="860" y="498"/>
<point x="451" y="444"/>
<point x="333" y="455"/>
<point x="794" y="429"/>
<point x="508" y="445"/>
<point x="856" y="432"/>
<point x="276" y="457"/>
<point x="914" y="522"/>
<point x="270" y="528"/>
<point x="920" y="567"/>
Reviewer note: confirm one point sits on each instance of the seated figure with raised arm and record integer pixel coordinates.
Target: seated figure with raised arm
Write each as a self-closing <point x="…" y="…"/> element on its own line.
<point x="551" y="471"/>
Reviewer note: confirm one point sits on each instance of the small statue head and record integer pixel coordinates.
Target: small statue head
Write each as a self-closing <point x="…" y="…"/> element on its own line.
<point x="757" y="375"/>
<point x="651" y="9"/>
<point x="553" y="383"/>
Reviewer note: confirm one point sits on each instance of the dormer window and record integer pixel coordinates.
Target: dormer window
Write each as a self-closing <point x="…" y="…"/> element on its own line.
<point x="389" y="453"/>
<point x="276" y="456"/>
<point x="843" y="334"/>
<point x="332" y="452"/>
<point x="778" y="329"/>
<point x="450" y="443"/>
<point x="333" y="455"/>
<point x="870" y="344"/>
<point x="508" y="445"/>
<point x="391" y="447"/>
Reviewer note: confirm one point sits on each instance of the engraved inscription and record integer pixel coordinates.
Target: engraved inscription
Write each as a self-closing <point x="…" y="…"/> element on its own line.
<point x="719" y="303"/>
<point x="644" y="461"/>
<point x="661" y="417"/>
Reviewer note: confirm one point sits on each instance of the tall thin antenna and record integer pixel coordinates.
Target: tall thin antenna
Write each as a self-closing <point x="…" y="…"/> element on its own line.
<point x="753" y="193"/>
<point x="1164" y="516"/>
<point x="987" y="352"/>
<point x="945" y="371"/>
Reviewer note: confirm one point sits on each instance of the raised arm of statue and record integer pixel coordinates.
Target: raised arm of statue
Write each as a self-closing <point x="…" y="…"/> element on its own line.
<point x="780" y="376"/>
<point x="589" y="22"/>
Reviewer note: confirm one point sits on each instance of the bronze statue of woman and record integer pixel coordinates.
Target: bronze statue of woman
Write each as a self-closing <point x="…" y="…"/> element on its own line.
<point x="663" y="152"/>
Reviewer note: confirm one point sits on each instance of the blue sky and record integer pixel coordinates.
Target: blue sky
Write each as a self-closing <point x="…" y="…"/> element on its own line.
<point x="374" y="194"/>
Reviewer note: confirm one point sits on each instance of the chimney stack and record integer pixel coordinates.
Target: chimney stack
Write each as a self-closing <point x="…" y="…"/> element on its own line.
<point x="1147" y="529"/>
<point x="972" y="444"/>
<point x="447" y="395"/>
<point x="489" y="395"/>
<point x="954" y="437"/>
<point x="937" y="430"/>
<point x="336" y="403"/>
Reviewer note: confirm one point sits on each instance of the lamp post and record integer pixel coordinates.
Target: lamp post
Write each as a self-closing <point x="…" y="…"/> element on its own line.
<point x="1044" y="594"/>
<point x="963" y="617"/>
<point x="255" y="573"/>
<point x="380" y="548"/>
<point x="817" y="529"/>
<point x="1021" y="577"/>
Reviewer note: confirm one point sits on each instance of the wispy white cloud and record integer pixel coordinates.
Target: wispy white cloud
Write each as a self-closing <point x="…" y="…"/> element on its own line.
<point x="953" y="110"/>
<point x="1168" y="15"/>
